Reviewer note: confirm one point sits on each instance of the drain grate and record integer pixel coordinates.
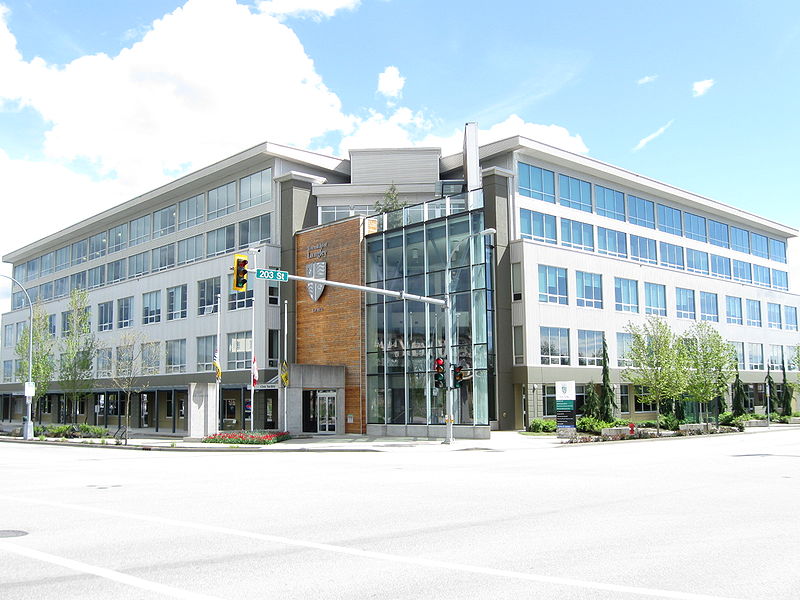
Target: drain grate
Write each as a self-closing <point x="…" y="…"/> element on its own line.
<point x="9" y="533"/>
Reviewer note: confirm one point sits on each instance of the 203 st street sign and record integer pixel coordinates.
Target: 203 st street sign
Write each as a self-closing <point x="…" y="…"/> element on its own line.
<point x="272" y="274"/>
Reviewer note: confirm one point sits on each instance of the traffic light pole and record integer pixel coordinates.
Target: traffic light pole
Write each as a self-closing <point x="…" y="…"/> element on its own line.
<point x="27" y="426"/>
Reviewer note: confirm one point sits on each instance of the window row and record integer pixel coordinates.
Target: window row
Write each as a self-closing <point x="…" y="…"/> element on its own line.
<point x="541" y="184"/>
<point x="253" y="190"/>
<point x="213" y="243"/>
<point x="541" y="227"/>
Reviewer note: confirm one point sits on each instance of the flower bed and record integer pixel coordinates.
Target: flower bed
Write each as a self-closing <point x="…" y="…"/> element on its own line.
<point x="247" y="437"/>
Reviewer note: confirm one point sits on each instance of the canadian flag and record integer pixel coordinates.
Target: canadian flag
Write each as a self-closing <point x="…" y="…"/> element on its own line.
<point x="255" y="372"/>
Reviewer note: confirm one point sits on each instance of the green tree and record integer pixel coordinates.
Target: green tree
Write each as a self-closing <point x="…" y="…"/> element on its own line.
<point x="128" y="371"/>
<point x="658" y="362"/>
<point x="787" y="390"/>
<point x="607" y="401"/>
<point x="79" y="347"/>
<point x="711" y="361"/>
<point x="43" y="365"/>
<point x="771" y="401"/>
<point x="390" y="202"/>
<point x="591" y="402"/>
<point x="739" y="397"/>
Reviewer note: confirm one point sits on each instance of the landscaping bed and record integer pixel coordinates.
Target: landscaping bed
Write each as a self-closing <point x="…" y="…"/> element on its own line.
<point x="247" y="437"/>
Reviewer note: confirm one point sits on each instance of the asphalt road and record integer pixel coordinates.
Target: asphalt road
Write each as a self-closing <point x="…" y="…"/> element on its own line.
<point x="690" y="518"/>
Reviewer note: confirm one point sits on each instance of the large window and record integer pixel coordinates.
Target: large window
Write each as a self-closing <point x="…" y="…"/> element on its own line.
<point x="738" y="347"/>
<point x="590" y="348"/>
<point x="589" y="289"/>
<point x="116" y="270"/>
<point x="80" y="251"/>
<point x="97" y="245"/>
<point x="643" y="249"/>
<point x="697" y="261"/>
<point x="220" y="241"/>
<point x="609" y="203"/>
<point x="125" y="312"/>
<point x="790" y="314"/>
<point x="139" y="230"/>
<point x="641" y="212"/>
<point x="62" y="258"/>
<point x="554" y="345"/>
<point x="709" y="307"/>
<point x="611" y="242"/>
<point x="176" y="356"/>
<point x="695" y="227"/>
<point x="734" y="310"/>
<point x="626" y="295"/>
<point x="163" y="257"/>
<point x="777" y="250"/>
<point x="575" y="234"/>
<point x="255" y="231"/>
<point x="206" y="345"/>
<point x="47" y="262"/>
<point x="624" y="344"/>
<point x="741" y="271"/>
<point x="104" y="362"/>
<point x="176" y="302"/>
<point x="77" y="281"/>
<point x="552" y="284"/>
<point x="151" y="307"/>
<point x="740" y="239"/>
<point x="761" y="275"/>
<point x="255" y="189"/>
<point x="655" y="299"/>
<point x="669" y="220"/>
<point x="207" y="292"/>
<point x="97" y="276"/>
<point x="190" y="249"/>
<point x="671" y="255"/>
<point x="754" y="313"/>
<point x="222" y="200"/>
<point x="164" y="221"/>
<point x="775" y="356"/>
<point x="239" y="349"/>
<point x="774" y="316"/>
<point x="117" y="238"/>
<point x="684" y="303"/>
<point x="575" y="193"/>
<point x="191" y="212"/>
<point x="237" y="300"/>
<point x="759" y="245"/>
<point x="536" y="182"/>
<point x="537" y="226"/>
<point x="720" y="266"/>
<point x="718" y="234"/>
<point x="780" y="279"/>
<point x="105" y="316"/>
<point x="138" y="264"/>
<point x="151" y="358"/>
<point x="755" y="357"/>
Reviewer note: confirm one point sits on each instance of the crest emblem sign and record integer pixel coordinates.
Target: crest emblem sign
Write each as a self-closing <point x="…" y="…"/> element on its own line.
<point x="317" y="270"/>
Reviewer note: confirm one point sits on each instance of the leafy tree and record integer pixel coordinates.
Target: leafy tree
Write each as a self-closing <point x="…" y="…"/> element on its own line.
<point x="711" y="361"/>
<point x="739" y="397"/>
<point x="607" y="401"/>
<point x="591" y="402"/>
<point x="76" y="370"/>
<point x="391" y="201"/>
<point x="787" y="390"/>
<point x="43" y="366"/>
<point x="128" y="370"/>
<point x="658" y="361"/>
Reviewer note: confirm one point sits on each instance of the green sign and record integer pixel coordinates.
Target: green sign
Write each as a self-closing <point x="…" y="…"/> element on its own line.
<point x="272" y="274"/>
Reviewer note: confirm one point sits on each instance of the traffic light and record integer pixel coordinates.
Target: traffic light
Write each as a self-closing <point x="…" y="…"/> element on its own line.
<point x="438" y="372"/>
<point x="458" y="376"/>
<point x="240" y="273"/>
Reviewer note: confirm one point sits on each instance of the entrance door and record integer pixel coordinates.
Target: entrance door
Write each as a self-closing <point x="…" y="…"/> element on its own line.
<point x="326" y="412"/>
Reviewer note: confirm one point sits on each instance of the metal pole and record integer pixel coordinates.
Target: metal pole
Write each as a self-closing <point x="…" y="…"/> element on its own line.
<point x="253" y="361"/>
<point x="27" y="430"/>
<point x="217" y="414"/>
<point x="285" y="360"/>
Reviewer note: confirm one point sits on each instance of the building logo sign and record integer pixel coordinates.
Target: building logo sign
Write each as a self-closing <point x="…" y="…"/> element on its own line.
<point x="317" y="270"/>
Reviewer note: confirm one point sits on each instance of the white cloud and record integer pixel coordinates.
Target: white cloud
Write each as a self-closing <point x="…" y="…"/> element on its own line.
<point x="647" y="79"/>
<point x="699" y="88"/>
<point x="316" y="9"/>
<point x="646" y="140"/>
<point x="390" y="82"/>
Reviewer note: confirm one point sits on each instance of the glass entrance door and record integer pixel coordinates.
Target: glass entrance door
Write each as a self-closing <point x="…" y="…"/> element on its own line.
<point x="326" y="412"/>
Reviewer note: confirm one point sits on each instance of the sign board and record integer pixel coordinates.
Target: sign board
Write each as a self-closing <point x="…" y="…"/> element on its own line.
<point x="272" y="274"/>
<point x="565" y="408"/>
<point x="30" y="389"/>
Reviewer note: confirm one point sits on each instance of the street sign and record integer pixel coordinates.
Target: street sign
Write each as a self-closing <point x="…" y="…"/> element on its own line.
<point x="272" y="274"/>
<point x="565" y="408"/>
<point x="30" y="389"/>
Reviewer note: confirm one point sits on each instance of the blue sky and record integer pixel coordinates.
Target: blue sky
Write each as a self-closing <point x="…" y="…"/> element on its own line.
<point x="102" y="101"/>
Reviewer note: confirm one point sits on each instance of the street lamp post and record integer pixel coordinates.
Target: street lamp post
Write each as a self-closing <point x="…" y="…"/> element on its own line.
<point x="27" y="432"/>
<point x="448" y="336"/>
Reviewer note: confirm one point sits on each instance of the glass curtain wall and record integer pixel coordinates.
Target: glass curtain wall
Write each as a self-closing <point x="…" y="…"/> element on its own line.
<point x="404" y="337"/>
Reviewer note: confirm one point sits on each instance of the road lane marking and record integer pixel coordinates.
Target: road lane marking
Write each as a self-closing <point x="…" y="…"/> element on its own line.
<point x="150" y="586"/>
<point x="382" y="556"/>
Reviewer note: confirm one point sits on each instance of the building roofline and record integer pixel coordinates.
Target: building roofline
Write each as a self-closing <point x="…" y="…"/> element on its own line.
<point x="611" y="172"/>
